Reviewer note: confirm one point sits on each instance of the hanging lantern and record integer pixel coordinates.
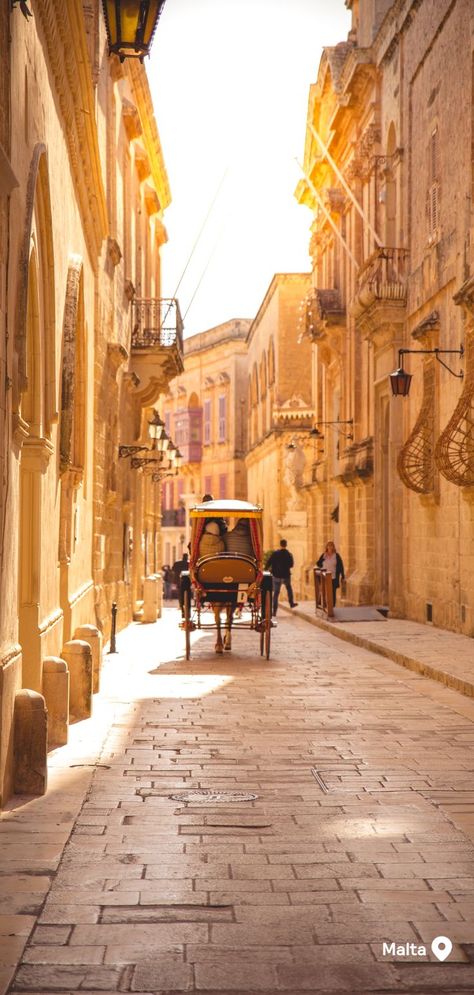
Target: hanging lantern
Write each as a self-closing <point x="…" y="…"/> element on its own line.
<point x="400" y="382"/>
<point x="130" y="26"/>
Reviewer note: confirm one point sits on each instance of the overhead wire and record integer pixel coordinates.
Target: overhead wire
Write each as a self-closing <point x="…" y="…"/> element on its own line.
<point x="204" y="223"/>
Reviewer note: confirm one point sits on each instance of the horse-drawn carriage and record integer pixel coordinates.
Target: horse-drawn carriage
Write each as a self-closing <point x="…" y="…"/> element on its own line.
<point x="226" y="574"/>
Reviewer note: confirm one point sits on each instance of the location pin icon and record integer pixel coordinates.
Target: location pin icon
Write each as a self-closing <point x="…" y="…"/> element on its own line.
<point x="441" y="947"/>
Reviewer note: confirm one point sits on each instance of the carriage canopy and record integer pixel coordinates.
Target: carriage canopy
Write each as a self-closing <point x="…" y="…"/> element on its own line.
<point x="227" y="508"/>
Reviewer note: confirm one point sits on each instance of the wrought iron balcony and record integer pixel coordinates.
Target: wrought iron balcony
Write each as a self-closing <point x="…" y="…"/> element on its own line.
<point x="156" y="344"/>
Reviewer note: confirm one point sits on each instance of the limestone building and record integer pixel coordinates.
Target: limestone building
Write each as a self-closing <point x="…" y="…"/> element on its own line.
<point x="84" y="349"/>
<point x="389" y="183"/>
<point x="205" y="411"/>
<point x="280" y="417"/>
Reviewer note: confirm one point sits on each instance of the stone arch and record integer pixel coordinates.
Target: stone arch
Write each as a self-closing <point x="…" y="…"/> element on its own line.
<point x="37" y="232"/>
<point x="193" y="400"/>
<point x="72" y="432"/>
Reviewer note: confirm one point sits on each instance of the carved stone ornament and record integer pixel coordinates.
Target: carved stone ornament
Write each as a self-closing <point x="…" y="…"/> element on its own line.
<point x="416" y="465"/>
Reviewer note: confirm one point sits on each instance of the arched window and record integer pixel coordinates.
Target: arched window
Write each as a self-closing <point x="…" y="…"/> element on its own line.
<point x="73" y="381"/>
<point x="263" y="376"/>
<point x="271" y="363"/>
<point x="391" y="191"/>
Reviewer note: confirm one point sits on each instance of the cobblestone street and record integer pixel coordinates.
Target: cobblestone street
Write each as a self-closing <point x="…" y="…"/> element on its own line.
<point x="360" y="831"/>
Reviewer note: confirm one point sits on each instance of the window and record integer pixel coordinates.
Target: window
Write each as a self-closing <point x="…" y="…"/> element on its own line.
<point x="222" y="485"/>
<point x="168" y="422"/>
<point x="432" y="203"/>
<point x="207" y="421"/>
<point x="208" y="485"/>
<point x="222" y="419"/>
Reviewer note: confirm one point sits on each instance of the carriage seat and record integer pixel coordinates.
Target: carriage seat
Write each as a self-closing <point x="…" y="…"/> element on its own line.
<point x="226" y="568"/>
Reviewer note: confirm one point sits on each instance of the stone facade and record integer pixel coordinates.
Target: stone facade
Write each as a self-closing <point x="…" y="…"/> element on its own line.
<point x="82" y="193"/>
<point x="390" y="186"/>
<point x="280" y="417"/>
<point x="206" y="413"/>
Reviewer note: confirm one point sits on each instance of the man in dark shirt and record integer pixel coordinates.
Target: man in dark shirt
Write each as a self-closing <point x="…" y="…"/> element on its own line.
<point x="280" y="565"/>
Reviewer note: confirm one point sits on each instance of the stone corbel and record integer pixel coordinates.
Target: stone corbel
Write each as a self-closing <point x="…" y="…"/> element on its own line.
<point x="152" y="202"/>
<point x="131" y="381"/>
<point x="142" y="163"/>
<point x="131" y="119"/>
<point x="114" y="251"/>
<point x="129" y="290"/>
<point x="117" y="355"/>
<point x="426" y="332"/>
<point x="465" y="297"/>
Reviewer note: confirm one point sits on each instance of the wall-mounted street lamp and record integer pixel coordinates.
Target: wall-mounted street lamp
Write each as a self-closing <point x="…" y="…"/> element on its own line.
<point x="400" y="380"/>
<point x="316" y="434"/>
<point x="156" y="431"/>
<point x="130" y="26"/>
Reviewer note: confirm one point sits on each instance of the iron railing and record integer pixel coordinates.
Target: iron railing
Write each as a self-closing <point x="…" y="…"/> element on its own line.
<point x="156" y="322"/>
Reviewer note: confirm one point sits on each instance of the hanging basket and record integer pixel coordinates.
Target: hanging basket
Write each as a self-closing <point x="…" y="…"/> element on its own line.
<point x="416" y="463"/>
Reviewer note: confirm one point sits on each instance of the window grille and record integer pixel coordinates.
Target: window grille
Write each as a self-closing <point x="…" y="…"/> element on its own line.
<point x="222" y="419"/>
<point x="207" y="421"/>
<point x="433" y="195"/>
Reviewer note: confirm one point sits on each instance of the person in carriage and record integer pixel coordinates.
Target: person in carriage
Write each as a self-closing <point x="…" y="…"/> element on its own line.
<point x="226" y="568"/>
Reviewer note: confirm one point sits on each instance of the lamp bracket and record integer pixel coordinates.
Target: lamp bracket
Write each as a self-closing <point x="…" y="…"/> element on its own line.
<point x="125" y="451"/>
<point x="138" y="462"/>
<point x="436" y="353"/>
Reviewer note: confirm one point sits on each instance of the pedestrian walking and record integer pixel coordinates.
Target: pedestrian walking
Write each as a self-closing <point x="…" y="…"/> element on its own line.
<point x="167" y="575"/>
<point x="178" y="567"/>
<point x="281" y="563"/>
<point x="332" y="562"/>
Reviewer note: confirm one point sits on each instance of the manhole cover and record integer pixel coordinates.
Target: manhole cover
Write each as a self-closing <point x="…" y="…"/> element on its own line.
<point x="208" y="797"/>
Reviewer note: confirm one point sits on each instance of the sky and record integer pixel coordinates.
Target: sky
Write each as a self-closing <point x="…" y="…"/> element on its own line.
<point x="230" y="82"/>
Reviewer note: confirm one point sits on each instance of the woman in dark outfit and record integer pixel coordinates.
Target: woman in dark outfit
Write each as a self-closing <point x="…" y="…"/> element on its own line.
<point x="332" y="562"/>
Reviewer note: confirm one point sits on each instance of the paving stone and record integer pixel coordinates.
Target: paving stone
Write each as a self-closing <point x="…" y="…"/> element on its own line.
<point x="169" y="972"/>
<point x="235" y="973"/>
<point x="335" y="978"/>
<point x="314" y="882"/>
<point x="63" y="955"/>
<point x="51" y="978"/>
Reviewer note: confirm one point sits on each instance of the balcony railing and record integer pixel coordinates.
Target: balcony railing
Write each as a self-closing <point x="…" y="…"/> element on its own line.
<point x="383" y="274"/>
<point x="157" y="322"/>
<point x="173" y="516"/>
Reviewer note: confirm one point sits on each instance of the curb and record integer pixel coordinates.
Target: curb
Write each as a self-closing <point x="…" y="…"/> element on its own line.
<point x="409" y="662"/>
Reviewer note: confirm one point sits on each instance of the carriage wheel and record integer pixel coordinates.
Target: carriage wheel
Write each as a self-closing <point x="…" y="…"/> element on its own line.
<point x="265" y="634"/>
<point x="187" y="620"/>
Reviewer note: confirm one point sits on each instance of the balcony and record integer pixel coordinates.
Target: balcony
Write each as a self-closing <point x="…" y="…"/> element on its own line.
<point x="173" y="517"/>
<point x="156" y="345"/>
<point x="326" y="321"/>
<point x="187" y="434"/>
<point x="381" y="292"/>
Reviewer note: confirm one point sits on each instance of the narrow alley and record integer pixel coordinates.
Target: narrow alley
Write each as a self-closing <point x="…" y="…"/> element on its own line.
<point x="328" y="806"/>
